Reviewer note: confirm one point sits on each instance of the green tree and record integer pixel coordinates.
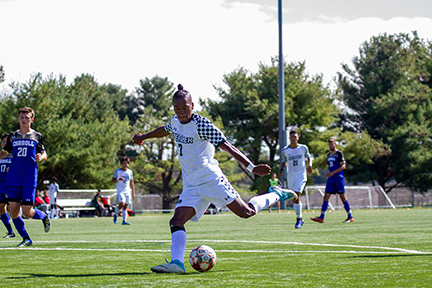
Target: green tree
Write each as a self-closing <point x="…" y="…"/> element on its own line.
<point x="157" y="170"/>
<point x="82" y="133"/>
<point x="389" y="93"/>
<point x="249" y="108"/>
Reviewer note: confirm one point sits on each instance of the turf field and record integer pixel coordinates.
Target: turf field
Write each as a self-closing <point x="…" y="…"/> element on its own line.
<point x="385" y="248"/>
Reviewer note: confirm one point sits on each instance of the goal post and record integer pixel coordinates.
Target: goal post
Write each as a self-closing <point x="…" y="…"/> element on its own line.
<point x="359" y="197"/>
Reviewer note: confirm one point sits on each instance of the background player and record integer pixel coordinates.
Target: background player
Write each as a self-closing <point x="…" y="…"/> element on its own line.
<point x="274" y="181"/>
<point x="296" y="155"/>
<point x="123" y="177"/>
<point x="53" y="189"/>
<point x="4" y="166"/>
<point x="27" y="148"/>
<point x="203" y="181"/>
<point x="335" y="182"/>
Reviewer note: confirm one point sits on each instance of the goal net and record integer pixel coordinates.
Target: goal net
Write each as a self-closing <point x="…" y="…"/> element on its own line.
<point x="358" y="197"/>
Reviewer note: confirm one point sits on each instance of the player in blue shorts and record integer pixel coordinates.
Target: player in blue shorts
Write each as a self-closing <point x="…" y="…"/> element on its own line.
<point x="335" y="182"/>
<point x="203" y="181"/>
<point x="27" y="149"/>
<point x="4" y="166"/>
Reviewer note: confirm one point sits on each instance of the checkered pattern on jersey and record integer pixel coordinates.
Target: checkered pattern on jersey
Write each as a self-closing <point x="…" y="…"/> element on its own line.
<point x="168" y="127"/>
<point x="208" y="131"/>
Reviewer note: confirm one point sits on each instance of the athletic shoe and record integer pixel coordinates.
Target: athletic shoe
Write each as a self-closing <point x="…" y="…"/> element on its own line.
<point x="47" y="223"/>
<point x="9" y="235"/>
<point x="284" y="194"/>
<point x="348" y="220"/>
<point x="299" y="223"/>
<point x="173" y="267"/>
<point x="25" y="243"/>
<point x="125" y="223"/>
<point x="318" y="219"/>
<point x="115" y="219"/>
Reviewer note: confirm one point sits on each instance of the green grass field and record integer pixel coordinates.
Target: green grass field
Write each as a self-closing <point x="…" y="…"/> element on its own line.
<point x="385" y="248"/>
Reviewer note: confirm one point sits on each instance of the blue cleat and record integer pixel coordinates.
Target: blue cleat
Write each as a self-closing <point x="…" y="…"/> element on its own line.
<point x="47" y="223"/>
<point x="284" y="194"/>
<point x="173" y="267"/>
<point x="115" y="219"/>
<point x="125" y="223"/>
<point x="25" y="243"/>
<point x="9" y="235"/>
<point x="299" y="223"/>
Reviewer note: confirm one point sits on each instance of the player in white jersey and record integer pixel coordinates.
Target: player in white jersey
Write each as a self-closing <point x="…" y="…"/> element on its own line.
<point x="203" y="181"/>
<point x="123" y="177"/>
<point x="296" y="155"/>
<point x="53" y="189"/>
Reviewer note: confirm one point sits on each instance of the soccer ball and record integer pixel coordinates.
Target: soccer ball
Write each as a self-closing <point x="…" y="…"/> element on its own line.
<point x="202" y="258"/>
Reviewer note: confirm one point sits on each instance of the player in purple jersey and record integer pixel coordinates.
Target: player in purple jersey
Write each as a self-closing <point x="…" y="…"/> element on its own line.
<point x="335" y="182"/>
<point x="4" y="167"/>
<point x="27" y="148"/>
<point x="203" y="180"/>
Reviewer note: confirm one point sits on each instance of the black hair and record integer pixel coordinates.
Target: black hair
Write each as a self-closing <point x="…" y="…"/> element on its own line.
<point x="181" y="93"/>
<point x="125" y="158"/>
<point x="293" y="132"/>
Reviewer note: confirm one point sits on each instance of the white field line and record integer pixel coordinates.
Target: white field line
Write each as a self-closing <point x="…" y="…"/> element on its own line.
<point x="393" y="250"/>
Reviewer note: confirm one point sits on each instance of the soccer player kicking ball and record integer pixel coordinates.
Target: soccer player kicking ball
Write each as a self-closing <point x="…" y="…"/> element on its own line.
<point x="203" y="181"/>
<point x="335" y="182"/>
<point x="27" y="149"/>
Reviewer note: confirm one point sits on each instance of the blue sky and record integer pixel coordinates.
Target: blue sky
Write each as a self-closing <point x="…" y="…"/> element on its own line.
<point x="192" y="42"/>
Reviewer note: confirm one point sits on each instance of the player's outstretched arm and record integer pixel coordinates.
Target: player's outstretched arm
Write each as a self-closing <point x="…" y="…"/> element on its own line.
<point x="157" y="133"/>
<point x="260" y="169"/>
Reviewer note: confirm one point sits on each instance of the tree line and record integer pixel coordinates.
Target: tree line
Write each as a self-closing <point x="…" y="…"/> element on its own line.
<point x="380" y="113"/>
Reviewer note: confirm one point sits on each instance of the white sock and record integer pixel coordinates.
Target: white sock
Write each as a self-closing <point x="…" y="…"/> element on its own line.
<point x="124" y="214"/>
<point x="178" y="245"/>
<point x="57" y="212"/>
<point x="117" y="210"/>
<point x="298" y="209"/>
<point x="263" y="201"/>
<point x="52" y="213"/>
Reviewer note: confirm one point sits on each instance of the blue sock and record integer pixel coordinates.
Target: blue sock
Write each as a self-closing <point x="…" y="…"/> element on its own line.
<point x="19" y="225"/>
<point x="39" y="214"/>
<point x="324" y="208"/>
<point x="5" y="220"/>
<point x="347" y="209"/>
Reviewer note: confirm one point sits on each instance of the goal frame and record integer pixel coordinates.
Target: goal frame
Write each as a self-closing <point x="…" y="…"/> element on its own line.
<point x="321" y="190"/>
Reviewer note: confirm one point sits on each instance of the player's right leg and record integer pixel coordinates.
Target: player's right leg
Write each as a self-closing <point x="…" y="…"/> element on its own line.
<point x="15" y="208"/>
<point x="324" y="208"/>
<point x="178" y="241"/>
<point x="5" y="219"/>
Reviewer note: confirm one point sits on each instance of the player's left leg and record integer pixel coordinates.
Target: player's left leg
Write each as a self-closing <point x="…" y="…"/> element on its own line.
<point x="125" y="213"/>
<point x="28" y="196"/>
<point x="298" y="210"/>
<point x="347" y="207"/>
<point x="178" y="241"/>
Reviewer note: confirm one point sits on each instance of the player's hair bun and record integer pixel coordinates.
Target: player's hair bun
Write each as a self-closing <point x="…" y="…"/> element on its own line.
<point x="180" y="87"/>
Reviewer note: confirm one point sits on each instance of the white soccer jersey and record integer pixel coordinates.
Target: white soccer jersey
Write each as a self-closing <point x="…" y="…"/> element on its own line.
<point x="53" y="191"/>
<point x="296" y="160"/>
<point x="123" y="186"/>
<point x="196" y="142"/>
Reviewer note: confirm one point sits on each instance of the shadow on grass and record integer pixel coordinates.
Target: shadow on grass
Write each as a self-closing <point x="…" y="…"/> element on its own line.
<point x="391" y="256"/>
<point x="103" y="275"/>
<point x="77" y="275"/>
